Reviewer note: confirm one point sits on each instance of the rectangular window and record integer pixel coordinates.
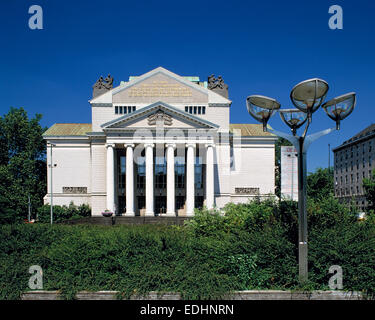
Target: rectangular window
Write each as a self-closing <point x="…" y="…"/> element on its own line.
<point x="129" y="109"/>
<point x="199" y="110"/>
<point x="203" y="110"/>
<point x="186" y="109"/>
<point x="120" y="110"/>
<point x="195" y="110"/>
<point x="134" y="108"/>
<point x="190" y="109"/>
<point x="116" y="110"/>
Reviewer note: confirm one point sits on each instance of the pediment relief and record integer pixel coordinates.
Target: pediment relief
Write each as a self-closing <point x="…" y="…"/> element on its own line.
<point x="159" y="115"/>
<point x="159" y="118"/>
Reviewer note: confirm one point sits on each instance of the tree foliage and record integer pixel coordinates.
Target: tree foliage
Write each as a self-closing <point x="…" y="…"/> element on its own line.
<point x="320" y="184"/>
<point x="22" y="164"/>
<point x="369" y="188"/>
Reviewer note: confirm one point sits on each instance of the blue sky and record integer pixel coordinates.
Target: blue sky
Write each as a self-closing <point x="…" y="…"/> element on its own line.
<point x="259" y="47"/>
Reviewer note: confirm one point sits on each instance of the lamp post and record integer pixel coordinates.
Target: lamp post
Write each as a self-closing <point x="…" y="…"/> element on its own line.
<point x="51" y="165"/>
<point x="307" y="97"/>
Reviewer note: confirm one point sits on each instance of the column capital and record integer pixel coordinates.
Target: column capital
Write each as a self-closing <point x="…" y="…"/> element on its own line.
<point x="208" y="145"/>
<point x="191" y="144"/>
<point x="149" y="145"/>
<point x="170" y="145"/>
<point x="132" y="145"/>
<point x="110" y="145"/>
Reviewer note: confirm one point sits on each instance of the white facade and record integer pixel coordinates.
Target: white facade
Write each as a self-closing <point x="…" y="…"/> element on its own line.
<point x="172" y="151"/>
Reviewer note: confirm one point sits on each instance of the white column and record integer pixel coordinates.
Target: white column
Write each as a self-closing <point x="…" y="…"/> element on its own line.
<point x="149" y="179"/>
<point x="110" y="178"/>
<point x="171" y="209"/>
<point x="210" y="197"/>
<point x="129" y="180"/>
<point x="190" y="187"/>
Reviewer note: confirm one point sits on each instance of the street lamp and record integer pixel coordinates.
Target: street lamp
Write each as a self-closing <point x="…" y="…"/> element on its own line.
<point x="307" y="97"/>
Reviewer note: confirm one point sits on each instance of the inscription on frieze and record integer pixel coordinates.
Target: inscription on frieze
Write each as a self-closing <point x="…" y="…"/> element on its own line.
<point x="160" y="89"/>
<point x="70" y="190"/>
<point x="251" y="191"/>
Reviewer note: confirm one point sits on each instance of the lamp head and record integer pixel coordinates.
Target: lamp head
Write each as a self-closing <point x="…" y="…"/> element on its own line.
<point x="261" y="108"/>
<point x="340" y="107"/>
<point x="293" y="118"/>
<point x="308" y="95"/>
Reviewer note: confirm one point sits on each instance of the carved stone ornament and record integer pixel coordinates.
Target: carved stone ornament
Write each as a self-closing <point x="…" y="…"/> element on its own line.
<point x="217" y="85"/>
<point x="102" y="85"/>
<point x="159" y="118"/>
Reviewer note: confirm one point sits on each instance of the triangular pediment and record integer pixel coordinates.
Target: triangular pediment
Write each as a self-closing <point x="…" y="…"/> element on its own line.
<point x="160" y="85"/>
<point x="156" y="115"/>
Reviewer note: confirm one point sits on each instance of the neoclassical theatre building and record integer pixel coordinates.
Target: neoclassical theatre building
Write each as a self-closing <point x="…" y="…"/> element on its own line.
<point x="159" y="144"/>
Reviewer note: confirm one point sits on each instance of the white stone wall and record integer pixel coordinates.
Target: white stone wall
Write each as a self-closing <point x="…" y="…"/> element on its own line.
<point x="98" y="177"/>
<point x="73" y="169"/>
<point x="102" y="115"/>
<point x="254" y="166"/>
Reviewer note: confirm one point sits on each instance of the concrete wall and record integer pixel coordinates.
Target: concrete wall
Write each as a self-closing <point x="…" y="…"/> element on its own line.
<point x="239" y="295"/>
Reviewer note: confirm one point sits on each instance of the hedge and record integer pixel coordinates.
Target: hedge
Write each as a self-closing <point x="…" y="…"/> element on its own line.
<point x="248" y="246"/>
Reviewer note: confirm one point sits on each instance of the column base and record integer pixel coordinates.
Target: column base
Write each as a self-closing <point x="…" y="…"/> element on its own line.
<point x="129" y="214"/>
<point x="190" y="214"/>
<point x="149" y="214"/>
<point x="170" y="214"/>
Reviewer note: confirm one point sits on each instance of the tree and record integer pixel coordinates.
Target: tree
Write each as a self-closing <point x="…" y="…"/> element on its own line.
<point x="320" y="184"/>
<point x="369" y="188"/>
<point x="22" y="163"/>
<point x="279" y="143"/>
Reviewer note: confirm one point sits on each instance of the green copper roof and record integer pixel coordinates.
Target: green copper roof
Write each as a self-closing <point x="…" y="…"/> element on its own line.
<point x="250" y="129"/>
<point x="68" y="129"/>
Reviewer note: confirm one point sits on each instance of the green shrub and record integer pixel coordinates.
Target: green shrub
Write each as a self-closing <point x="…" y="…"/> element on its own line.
<point x="246" y="246"/>
<point x="61" y="213"/>
<point x="350" y="246"/>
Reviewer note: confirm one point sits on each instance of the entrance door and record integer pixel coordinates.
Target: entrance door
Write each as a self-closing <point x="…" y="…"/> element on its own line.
<point x="140" y="190"/>
<point x="180" y="178"/>
<point x="121" y="178"/>
<point x="160" y="185"/>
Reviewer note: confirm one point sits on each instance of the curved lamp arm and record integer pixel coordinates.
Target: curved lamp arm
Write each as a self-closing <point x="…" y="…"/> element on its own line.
<point x="312" y="137"/>
<point x="292" y="139"/>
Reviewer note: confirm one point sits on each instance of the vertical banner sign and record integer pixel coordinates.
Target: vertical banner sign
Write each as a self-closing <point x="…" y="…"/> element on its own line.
<point x="289" y="173"/>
